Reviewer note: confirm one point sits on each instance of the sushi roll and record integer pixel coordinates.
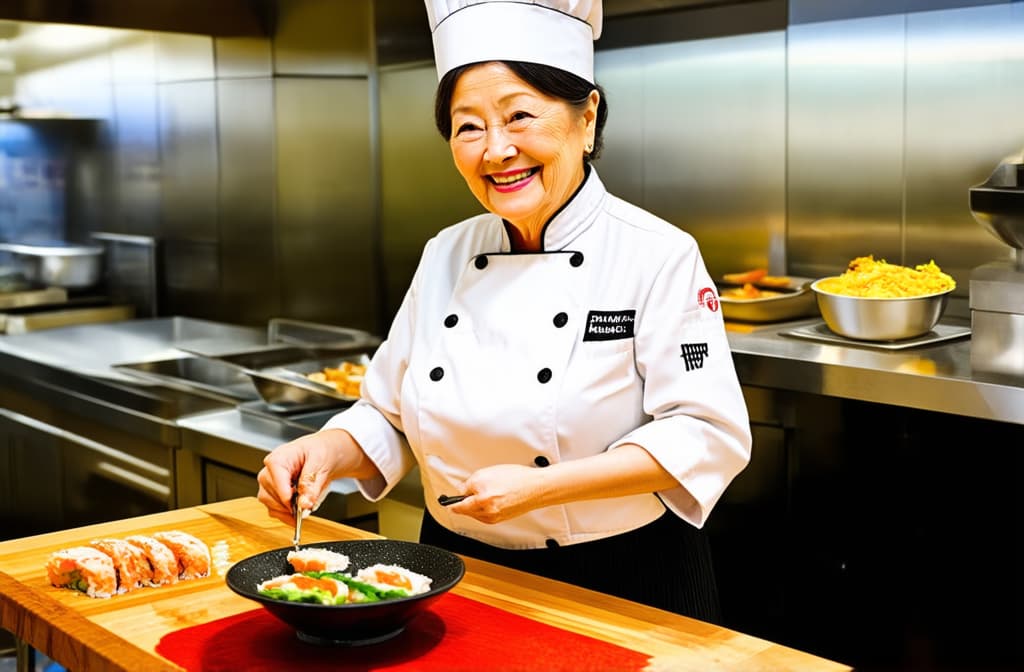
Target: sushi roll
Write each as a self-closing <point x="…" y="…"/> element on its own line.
<point x="161" y="559"/>
<point x="83" y="568"/>
<point x="317" y="560"/>
<point x="193" y="556"/>
<point x="302" y="588"/>
<point x="391" y="577"/>
<point x="130" y="563"/>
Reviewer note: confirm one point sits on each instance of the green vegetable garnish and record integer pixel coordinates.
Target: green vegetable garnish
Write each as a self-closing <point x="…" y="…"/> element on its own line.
<point x="370" y="593"/>
<point x="358" y="591"/>
<point x="314" y="596"/>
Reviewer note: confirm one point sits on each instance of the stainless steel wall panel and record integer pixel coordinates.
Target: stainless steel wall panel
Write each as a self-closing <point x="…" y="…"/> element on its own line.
<point x="182" y="58"/>
<point x="621" y="165"/>
<point x="133" y="60"/>
<point x="421" y="191"/>
<point x="243" y="57"/>
<point x="845" y="143"/>
<point x="713" y="144"/>
<point x="249" y="282"/>
<point x="136" y="158"/>
<point x="811" y="11"/>
<point x="188" y="152"/>
<point x="325" y="208"/>
<point x="188" y="185"/>
<point x="136" y="142"/>
<point x="191" y="278"/>
<point x="320" y="37"/>
<point x="965" y="93"/>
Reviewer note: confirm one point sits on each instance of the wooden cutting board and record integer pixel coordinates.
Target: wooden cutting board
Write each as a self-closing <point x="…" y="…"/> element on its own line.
<point x="22" y="324"/>
<point x="121" y="633"/>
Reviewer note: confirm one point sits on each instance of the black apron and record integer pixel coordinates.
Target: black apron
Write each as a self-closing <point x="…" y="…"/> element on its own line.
<point x="666" y="564"/>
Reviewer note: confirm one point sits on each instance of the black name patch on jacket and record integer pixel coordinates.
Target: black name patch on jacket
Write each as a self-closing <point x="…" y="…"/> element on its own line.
<point x="609" y="325"/>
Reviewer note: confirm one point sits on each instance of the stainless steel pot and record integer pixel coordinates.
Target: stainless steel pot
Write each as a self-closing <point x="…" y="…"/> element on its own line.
<point x="64" y="265"/>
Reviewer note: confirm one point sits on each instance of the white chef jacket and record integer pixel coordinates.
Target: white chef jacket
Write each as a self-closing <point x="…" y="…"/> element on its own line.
<point x="611" y="335"/>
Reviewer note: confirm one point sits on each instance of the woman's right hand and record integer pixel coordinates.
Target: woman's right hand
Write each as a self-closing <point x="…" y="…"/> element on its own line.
<point x="309" y="463"/>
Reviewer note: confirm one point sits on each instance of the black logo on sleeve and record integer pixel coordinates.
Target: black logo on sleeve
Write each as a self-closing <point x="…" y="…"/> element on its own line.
<point x="609" y="325"/>
<point x="693" y="355"/>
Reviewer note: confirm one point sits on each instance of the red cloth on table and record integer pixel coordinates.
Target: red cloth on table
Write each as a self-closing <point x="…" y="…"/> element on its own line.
<point x="454" y="634"/>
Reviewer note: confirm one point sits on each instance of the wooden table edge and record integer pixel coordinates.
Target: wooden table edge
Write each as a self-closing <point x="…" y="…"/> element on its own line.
<point x="78" y="643"/>
<point x="31" y="617"/>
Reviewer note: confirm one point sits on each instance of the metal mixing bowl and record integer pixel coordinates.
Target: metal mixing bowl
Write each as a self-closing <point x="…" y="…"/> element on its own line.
<point x="880" y="319"/>
<point x="59" y="265"/>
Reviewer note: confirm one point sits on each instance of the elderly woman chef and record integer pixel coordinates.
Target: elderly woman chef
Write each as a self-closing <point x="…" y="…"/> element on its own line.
<point x="560" y="362"/>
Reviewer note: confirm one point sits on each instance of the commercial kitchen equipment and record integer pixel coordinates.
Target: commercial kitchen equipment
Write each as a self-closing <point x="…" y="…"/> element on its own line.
<point x="997" y="288"/>
<point x="60" y="284"/>
<point x="37" y="307"/>
<point x="59" y="264"/>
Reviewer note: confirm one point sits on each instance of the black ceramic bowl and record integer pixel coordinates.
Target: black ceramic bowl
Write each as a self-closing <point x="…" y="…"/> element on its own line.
<point x="351" y="624"/>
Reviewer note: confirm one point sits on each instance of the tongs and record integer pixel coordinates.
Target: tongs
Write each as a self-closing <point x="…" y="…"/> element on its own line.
<point x="298" y="518"/>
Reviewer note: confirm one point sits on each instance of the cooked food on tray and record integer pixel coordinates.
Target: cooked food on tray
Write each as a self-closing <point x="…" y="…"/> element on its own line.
<point x="748" y="292"/>
<point x="868" y="277"/>
<point x="758" y="277"/>
<point x="371" y="584"/>
<point x="346" y="378"/>
<point x="108" y="566"/>
<point x="755" y="296"/>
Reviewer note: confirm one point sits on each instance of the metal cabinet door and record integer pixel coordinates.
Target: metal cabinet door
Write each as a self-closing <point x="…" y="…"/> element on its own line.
<point x="102" y="483"/>
<point x="30" y="477"/>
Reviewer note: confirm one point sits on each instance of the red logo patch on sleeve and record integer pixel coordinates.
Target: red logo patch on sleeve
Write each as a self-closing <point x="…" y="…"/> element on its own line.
<point x="707" y="298"/>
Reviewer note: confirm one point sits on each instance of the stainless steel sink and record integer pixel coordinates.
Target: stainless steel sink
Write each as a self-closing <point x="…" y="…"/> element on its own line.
<point x="199" y="374"/>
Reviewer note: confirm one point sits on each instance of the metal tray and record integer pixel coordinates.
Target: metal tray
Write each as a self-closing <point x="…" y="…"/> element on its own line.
<point x="286" y="388"/>
<point x="283" y="337"/>
<point x="196" y="374"/>
<point x="316" y="335"/>
<point x="797" y="300"/>
<point x="819" y="331"/>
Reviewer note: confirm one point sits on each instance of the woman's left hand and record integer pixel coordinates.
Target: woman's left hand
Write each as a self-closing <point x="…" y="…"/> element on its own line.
<point x="503" y="491"/>
<point x="500" y="492"/>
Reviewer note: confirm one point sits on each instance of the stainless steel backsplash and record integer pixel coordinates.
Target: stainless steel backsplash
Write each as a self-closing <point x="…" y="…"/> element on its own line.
<point x="293" y="176"/>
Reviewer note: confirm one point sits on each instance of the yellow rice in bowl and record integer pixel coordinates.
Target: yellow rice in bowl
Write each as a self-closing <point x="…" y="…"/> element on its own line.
<point x="867" y="277"/>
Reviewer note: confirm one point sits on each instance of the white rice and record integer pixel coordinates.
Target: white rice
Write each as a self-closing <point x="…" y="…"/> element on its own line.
<point x="317" y="560"/>
<point x="377" y="575"/>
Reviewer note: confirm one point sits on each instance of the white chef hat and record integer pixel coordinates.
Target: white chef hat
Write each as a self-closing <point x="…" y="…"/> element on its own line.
<point x="559" y="33"/>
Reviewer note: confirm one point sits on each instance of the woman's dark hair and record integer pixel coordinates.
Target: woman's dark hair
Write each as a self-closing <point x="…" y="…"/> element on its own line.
<point x="550" y="81"/>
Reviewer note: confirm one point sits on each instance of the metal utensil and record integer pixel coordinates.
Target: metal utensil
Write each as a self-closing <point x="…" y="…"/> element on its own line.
<point x="298" y="518"/>
<point x="445" y="500"/>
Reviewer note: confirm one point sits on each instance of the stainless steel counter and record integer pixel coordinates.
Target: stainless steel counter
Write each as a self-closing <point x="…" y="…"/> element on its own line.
<point x="66" y="377"/>
<point x="934" y="377"/>
<point x="253" y="432"/>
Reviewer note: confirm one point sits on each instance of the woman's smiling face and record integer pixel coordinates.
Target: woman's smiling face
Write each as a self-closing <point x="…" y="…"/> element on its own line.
<point x="519" y="150"/>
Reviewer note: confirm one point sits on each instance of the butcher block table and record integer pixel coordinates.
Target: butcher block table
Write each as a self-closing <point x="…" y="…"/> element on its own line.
<point x="131" y="631"/>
